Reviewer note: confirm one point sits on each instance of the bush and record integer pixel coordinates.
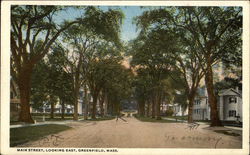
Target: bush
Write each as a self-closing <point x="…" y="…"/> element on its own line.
<point x="169" y="112"/>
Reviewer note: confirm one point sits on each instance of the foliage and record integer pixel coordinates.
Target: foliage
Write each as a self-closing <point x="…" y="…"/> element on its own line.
<point x="33" y="31"/>
<point x="96" y="38"/>
<point x="202" y="39"/>
<point x="50" y="81"/>
<point x="228" y="83"/>
<point x="169" y="112"/>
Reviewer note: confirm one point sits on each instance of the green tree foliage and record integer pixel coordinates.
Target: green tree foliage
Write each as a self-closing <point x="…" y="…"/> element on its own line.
<point x="50" y="83"/>
<point x="101" y="29"/>
<point x="228" y="83"/>
<point x="214" y="38"/>
<point x="152" y="52"/>
<point x="33" y="31"/>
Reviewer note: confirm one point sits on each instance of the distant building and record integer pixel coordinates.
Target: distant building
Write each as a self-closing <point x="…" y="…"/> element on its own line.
<point x="179" y="110"/>
<point x="165" y="106"/>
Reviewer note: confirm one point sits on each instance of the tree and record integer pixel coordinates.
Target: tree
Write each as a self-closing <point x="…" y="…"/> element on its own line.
<point x="142" y="84"/>
<point x="101" y="77"/>
<point x="81" y="41"/>
<point x="59" y="81"/>
<point x="50" y="82"/>
<point x="39" y="91"/>
<point x="118" y="86"/>
<point x="147" y="53"/>
<point x="228" y="83"/>
<point x="212" y="35"/>
<point x="33" y="31"/>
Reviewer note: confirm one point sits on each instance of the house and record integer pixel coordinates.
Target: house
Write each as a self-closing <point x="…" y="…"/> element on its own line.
<point x="69" y="109"/>
<point x="14" y="100"/>
<point x="165" y="106"/>
<point x="201" y="108"/>
<point x="179" y="110"/>
<point x="229" y="104"/>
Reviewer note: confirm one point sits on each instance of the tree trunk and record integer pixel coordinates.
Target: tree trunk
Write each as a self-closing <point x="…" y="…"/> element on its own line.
<point x="106" y="104"/>
<point x="86" y="103"/>
<point x="109" y="106"/>
<point x="215" y="121"/>
<point x="52" y="109"/>
<point x="101" y="101"/>
<point x="158" y="107"/>
<point x="191" y="97"/>
<point x="153" y="107"/>
<point x="24" y="88"/>
<point x="147" y="111"/>
<point x="76" y="94"/>
<point x="75" y="115"/>
<point x="94" y="106"/>
<point x="112" y="108"/>
<point x="63" y="109"/>
<point x="143" y="108"/>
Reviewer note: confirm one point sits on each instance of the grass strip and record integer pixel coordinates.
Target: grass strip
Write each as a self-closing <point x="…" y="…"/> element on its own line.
<point x="148" y="119"/>
<point x="25" y="134"/>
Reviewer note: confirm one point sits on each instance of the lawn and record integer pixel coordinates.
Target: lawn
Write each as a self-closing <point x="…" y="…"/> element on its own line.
<point x="38" y="118"/>
<point x="178" y="117"/>
<point x="149" y="119"/>
<point x="47" y="118"/>
<point x="25" y="134"/>
<point x="102" y="118"/>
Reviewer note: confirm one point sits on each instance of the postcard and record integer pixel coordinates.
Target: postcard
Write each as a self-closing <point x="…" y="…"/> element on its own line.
<point x="125" y="77"/>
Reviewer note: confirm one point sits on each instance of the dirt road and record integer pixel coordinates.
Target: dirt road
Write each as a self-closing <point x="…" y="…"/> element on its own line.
<point x="137" y="134"/>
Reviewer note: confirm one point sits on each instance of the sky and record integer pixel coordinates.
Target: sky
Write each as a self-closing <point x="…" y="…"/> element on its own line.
<point x="128" y="30"/>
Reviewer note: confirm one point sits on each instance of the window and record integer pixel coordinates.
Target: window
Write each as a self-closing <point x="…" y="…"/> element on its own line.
<point x="232" y="113"/>
<point x="197" y="102"/>
<point x="232" y="99"/>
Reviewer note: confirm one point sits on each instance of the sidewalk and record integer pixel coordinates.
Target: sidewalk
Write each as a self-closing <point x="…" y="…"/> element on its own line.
<point x="204" y="123"/>
<point x="43" y="123"/>
<point x="172" y="119"/>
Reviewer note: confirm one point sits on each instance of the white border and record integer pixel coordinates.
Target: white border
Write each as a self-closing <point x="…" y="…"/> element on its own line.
<point x="5" y="72"/>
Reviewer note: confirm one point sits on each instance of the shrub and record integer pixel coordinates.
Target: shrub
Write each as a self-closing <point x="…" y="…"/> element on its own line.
<point x="169" y="112"/>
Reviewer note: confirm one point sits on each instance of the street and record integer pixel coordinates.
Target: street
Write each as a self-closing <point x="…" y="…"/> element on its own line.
<point x="137" y="134"/>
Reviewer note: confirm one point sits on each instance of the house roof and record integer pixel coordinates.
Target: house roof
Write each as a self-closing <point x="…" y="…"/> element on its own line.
<point x="230" y="92"/>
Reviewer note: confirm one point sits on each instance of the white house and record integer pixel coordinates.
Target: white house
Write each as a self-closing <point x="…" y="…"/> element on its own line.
<point x="201" y="109"/>
<point x="14" y="100"/>
<point x="179" y="110"/>
<point x="229" y="104"/>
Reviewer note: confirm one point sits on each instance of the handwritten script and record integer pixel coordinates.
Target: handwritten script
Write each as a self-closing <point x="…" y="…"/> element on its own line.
<point x="52" y="139"/>
<point x="194" y="138"/>
<point x="192" y="126"/>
